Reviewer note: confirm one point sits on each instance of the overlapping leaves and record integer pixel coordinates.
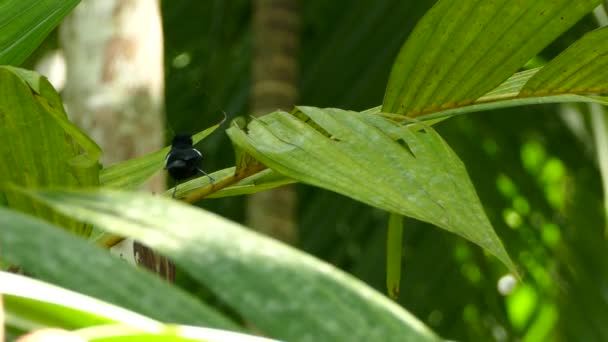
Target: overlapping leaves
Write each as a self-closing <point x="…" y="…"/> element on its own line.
<point x="376" y="161"/>
<point x="279" y="290"/>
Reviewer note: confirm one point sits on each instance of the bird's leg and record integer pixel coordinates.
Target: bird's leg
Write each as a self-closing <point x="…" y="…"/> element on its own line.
<point x="211" y="179"/>
<point x="174" y="189"/>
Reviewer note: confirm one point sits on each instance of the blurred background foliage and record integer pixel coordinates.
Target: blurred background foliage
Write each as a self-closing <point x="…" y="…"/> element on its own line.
<point x="534" y="168"/>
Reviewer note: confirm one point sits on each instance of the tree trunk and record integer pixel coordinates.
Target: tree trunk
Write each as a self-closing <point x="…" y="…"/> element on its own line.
<point x="114" y="86"/>
<point x="276" y="42"/>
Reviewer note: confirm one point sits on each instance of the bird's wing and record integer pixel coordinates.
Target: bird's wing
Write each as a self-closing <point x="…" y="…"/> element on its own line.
<point x="176" y="163"/>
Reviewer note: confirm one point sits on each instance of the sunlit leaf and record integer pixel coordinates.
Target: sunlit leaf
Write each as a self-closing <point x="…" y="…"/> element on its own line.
<point x="460" y="50"/>
<point x="41" y="147"/>
<point x="32" y="304"/>
<point x="376" y="161"/>
<point x="281" y="291"/>
<point x="25" y="23"/>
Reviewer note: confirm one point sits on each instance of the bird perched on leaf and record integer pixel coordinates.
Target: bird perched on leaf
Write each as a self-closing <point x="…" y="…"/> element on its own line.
<point x="183" y="160"/>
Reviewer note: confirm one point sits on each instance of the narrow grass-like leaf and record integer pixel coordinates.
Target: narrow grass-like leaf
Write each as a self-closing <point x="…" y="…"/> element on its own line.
<point x="599" y="120"/>
<point x="394" y="246"/>
<point x="61" y="258"/>
<point x="281" y="291"/>
<point x="25" y="23"/>
<point x="581" y="69"/>
<point x="261" y="181"/>
<point x="376" y="161"/>
<point x="40" y="147"/>
<point x="134" y="172"/>
<point x="460" y="50"/>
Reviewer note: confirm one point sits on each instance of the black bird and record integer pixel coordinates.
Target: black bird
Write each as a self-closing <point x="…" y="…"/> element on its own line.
<point x="183" y="160"/>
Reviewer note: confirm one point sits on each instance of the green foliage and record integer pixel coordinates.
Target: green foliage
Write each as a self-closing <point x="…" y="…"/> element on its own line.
<point x="26" y="23"/>
<point x="542" y="194"/>
<point x="394" y="241"/>
<point x="281" y="291"/>
<point x="579" y="69"/>
<point x="456" y="61"/>
<point x="34" y="304"/>
<point x="376" y="161"/>
<point x="58" y="259"/>
<point x="134" y="172"/>
<point x="41" y="147"/>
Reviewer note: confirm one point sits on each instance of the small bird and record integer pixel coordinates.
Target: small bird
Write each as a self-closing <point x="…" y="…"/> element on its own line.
<point x="183" y="160"/>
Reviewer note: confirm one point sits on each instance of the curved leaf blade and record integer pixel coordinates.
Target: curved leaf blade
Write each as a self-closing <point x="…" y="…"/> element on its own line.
<point x="32" y="304"/>
<point x="454" y="62"/>
<point x="25" y="23"/>
<point x="58" y="257"/>
<point x="281" y="291"/>
<point x="45" y="305"/>
<point x="378" y="162"/>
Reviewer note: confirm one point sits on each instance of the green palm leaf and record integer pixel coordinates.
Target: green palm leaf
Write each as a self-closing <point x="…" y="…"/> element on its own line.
<point x="376" y="161"/>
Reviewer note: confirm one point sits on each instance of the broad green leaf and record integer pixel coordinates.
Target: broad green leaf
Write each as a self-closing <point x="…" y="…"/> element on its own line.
<point x="134" y="172"/>
<point x="394" y="246"/>
<point x="53" y="104"/>
<point x="460" y="50"/>
<point x="56" y="256"/>
<point x="378" y="162"/>
<point x="582" y="69"/>
<point x="41" y="147"/>
<point x="32" y="305"/>
<point x="25" y="23"/>
<point x="279" y="290"/>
